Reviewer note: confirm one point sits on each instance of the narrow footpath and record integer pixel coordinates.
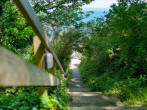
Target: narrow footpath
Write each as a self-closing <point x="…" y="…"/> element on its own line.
<point x="84" y="99"/>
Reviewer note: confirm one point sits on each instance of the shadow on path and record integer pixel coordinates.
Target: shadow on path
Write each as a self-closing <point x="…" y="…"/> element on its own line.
<point x="83" y="97"/>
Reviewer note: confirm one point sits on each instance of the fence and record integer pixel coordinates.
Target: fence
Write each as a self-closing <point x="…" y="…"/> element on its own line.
<point x="15" y="71"/>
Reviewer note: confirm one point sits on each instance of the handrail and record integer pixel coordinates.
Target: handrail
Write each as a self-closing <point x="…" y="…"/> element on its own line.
<point x="14" y="71"/>
<point x="27" y="11"/>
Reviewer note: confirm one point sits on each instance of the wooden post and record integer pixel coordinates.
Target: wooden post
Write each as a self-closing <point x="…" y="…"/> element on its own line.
<point x="53" y="69"/>
<point x="39" y="61"/>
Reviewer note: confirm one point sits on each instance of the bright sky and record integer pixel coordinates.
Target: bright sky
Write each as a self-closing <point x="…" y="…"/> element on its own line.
<point x="100" y="4"/>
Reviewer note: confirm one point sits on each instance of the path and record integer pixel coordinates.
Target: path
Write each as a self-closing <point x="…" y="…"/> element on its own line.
<point x="84" y="99"/>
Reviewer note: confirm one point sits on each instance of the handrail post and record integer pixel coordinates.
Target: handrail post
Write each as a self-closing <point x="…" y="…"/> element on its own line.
<point x="53" y="69"/>
<point x="39" y="61"/>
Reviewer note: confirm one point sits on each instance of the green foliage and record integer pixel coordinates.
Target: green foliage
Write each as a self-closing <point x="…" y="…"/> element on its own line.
<point x="131" y="91"/>
<point x="22" y="99"/>
<point x="27" y="98"/>
<point x="64" y="43"/>
<point x="114" y="52"/>
<point x="58" y="97"/>
<point x="59" y="12"/>
<point x="15" y="33"/>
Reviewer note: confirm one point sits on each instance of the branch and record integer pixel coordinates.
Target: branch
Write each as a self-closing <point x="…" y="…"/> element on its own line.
<point x="51" y="7"/>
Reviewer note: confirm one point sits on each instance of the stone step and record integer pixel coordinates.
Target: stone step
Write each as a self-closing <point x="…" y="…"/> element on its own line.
<point x="76" y="85"/>
<point x="107" y="108"/>
<point x="85" y="93"/>
<point x="98" y="100"/>
<point x="75" y="104"/>
<point x="76" y="76"/>
<point x="79" y="89"/>
<point x="75" y="70"/>
<point x="76" y="73"/>
<point x="76" y="80"/>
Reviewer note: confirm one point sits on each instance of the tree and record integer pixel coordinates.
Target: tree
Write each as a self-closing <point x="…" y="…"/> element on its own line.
<point x="15" y="33"/>
<point x="128" y="22"/>
<point x="18" y="36"/>
<point x="64" y="43"/>
<point x="115" y="50"/>
<point x="59" y="12"/>
<point x="117" y="44"/>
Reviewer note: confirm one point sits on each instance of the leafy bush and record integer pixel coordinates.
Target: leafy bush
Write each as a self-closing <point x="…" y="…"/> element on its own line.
<point x="114" y="53"/>
<point x="27" y="98"/>
<point x="64" y="43"/>
<point x="131" y="90"/>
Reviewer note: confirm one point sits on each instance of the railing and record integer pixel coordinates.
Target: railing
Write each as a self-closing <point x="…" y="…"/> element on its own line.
<point x="15" y="71"/>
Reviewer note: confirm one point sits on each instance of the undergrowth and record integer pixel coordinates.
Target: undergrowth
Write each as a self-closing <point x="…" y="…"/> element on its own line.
<point x="26" y="98"/>
<point x="115" y="52"/>
<point x="131" y="91"/>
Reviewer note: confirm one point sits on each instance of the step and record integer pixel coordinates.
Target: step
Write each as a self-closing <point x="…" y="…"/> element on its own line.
<point x="76" y="76"/>
<point x="79" y="89"/>
<point x="85" y="93"/>
<point x="76" y="73"/>
<point x="79" y="82"/>
<point x="76" y="85"/>
<point x="94" y="101"/>
<point x="76" y="80"/>
<point x="75" y="70"/>
<point x="107" y="108"/>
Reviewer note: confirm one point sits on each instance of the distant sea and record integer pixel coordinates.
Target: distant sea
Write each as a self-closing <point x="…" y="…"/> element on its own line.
<point x="97" y="13"/>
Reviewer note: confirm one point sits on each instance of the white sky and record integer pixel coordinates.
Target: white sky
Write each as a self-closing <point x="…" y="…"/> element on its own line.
<point x="100" y="4"/>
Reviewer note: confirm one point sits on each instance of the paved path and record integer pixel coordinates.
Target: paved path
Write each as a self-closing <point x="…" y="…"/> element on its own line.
<point x="84" y="99"/>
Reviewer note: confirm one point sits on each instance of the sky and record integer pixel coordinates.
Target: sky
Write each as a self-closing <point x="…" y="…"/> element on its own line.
<point x="103" y="4"/>
<point x="98" y="6"/>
